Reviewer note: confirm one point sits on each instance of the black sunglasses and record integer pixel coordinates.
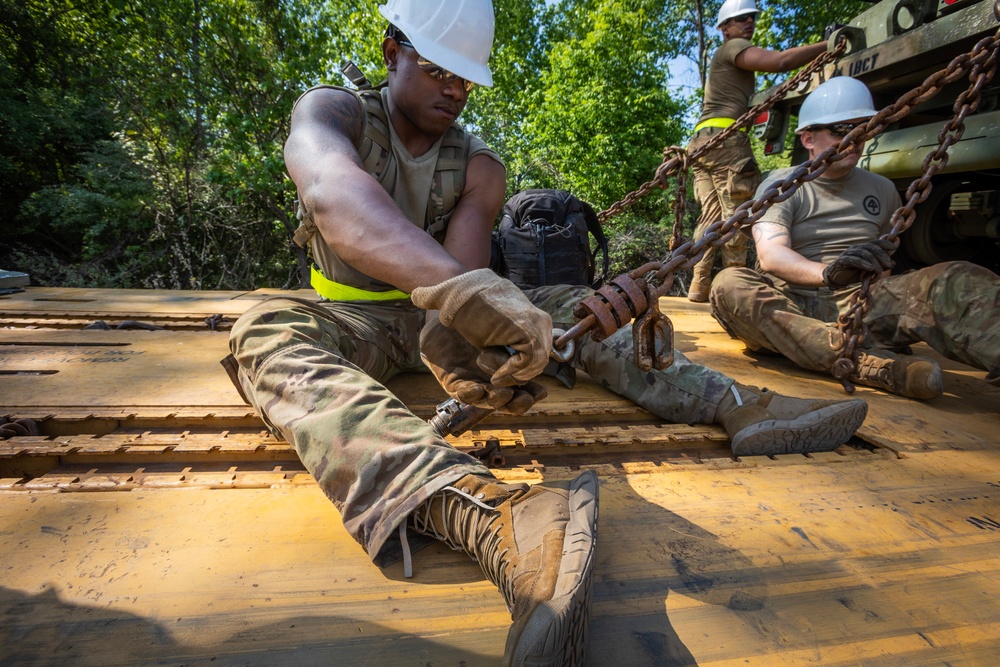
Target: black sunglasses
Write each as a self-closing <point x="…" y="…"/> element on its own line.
<point x="839" y="129"/>
<point x="744" y="18"/>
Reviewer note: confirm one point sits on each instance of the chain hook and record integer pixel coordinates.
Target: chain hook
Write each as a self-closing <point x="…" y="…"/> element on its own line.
<point x="653" y="336"/>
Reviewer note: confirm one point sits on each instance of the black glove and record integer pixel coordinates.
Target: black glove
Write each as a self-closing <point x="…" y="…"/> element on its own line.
<point x="464" y="371"/>
<point x="832" y="28"/>
<point x="858" y="261"/>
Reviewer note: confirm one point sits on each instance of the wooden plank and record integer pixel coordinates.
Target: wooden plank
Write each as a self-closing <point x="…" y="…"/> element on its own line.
<point x="135" y="303"/>
<point x="122" y="369"/>
<point x="875" y="561"/>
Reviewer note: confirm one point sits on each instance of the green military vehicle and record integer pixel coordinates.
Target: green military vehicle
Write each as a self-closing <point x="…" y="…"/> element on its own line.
<point x="892" y="48"/>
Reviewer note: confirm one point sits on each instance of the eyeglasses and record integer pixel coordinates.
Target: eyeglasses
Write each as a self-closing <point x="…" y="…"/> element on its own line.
<point x="839" y="129"/>
<point x="441" y="74"/>
<point x="744" y="18"/>
<point x="436" y="71"/>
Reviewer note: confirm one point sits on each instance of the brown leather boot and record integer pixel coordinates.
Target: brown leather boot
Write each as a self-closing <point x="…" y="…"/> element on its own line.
<point x="770" y="423"/>
<point x="536" y="544"/>
<point x="911" y="376"/>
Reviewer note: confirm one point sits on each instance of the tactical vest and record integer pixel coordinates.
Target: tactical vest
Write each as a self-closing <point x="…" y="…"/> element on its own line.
<point x="337" y="280"/>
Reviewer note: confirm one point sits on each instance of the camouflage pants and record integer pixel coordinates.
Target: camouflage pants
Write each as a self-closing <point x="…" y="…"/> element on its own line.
<point x="951" y="306"/>
<point x="315" y="373"/>
<point x="685" y="393"/>
<point x="724" y="178"/>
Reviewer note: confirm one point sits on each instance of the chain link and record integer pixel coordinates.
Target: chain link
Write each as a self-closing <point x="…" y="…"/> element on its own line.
<point x="981" y="64"/>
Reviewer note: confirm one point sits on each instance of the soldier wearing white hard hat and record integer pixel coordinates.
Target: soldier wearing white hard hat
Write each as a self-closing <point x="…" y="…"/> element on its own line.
<point x="814" y="249"/>
<point x="728" y="175"/>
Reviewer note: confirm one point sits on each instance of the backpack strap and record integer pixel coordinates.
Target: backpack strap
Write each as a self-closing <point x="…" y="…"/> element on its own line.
<point x="356" y="76"/>
<point x="594" y="227"/>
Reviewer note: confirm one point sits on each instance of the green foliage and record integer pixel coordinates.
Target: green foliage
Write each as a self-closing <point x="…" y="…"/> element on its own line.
<point x="499" y="114"/>
<point x="604" y="114"/>
<point x="200" y="92"/>
<point x="141" y="140"/>
<point x="49" y="113"/>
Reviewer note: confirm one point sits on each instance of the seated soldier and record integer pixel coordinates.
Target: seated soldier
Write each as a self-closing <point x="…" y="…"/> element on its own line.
<point x="398" y="202"/>
<point x="813" y="250"/>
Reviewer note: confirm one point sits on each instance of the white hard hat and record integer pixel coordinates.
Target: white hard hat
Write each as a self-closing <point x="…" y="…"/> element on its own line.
<point x="733" y="8"/>
<point x="454" y="34"/>
<point x="836" y="100"/>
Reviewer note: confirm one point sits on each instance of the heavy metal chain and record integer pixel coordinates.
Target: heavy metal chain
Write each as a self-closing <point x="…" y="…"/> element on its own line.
<point x="981" y="64"/>
<point x="676" y="159"/>
<point x="678" y="205"/>
<point x="636" y="293"/>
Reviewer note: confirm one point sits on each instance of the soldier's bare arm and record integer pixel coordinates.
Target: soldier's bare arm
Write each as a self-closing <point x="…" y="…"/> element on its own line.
<point x="756" y="59"/>
<point x="775" y="255"/>
<point x="468" y="238"/>
<point x="351" y="210"/>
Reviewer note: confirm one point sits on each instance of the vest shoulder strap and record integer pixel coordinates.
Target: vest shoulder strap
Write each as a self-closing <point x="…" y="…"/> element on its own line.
<point x="449" y="179"/>
<point x="375" y="151"/>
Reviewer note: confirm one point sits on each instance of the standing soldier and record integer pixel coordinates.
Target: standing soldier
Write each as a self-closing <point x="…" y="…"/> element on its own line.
<point x="727" y="175"/>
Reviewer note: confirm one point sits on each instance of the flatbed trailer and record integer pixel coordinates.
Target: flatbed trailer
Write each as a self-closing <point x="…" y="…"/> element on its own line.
<point x="154" y="521"/>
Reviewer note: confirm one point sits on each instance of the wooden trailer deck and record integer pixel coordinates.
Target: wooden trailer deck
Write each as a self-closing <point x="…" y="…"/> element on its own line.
<point x="154" y="522"/>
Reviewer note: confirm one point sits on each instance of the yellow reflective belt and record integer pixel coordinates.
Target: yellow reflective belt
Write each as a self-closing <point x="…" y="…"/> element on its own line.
<point x="328" y="289"/>
<point x="714" y="122"/>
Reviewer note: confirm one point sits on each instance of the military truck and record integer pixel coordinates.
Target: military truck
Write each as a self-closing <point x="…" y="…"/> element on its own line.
<point x="892" y="47"/>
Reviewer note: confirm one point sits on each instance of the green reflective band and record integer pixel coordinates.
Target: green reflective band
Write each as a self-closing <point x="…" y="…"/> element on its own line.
<point x="715" y="122"/>
<point x="328" y="289"/>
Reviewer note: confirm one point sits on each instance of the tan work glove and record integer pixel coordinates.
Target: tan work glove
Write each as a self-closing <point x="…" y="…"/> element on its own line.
<point x="490" y="311"/>
<point x="464" y="371"/>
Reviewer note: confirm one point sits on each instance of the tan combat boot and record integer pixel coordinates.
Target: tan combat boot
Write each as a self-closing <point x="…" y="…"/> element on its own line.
<point x="697" y="295"/>
<point x="536" y="544"/>
<point x="769" y="423"/>
<point x="911" y="376"/>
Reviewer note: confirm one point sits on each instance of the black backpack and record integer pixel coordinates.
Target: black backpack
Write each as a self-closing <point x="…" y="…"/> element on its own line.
<point x="544" y="239"/>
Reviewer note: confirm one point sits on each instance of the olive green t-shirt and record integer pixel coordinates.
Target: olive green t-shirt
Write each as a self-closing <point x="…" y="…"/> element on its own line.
<point x="727" y="88"/>
<point x="827" y="215"/>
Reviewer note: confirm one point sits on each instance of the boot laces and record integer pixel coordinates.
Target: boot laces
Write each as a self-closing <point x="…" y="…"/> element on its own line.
<point x="877" y="370"/>
<point x="460" y="525"/>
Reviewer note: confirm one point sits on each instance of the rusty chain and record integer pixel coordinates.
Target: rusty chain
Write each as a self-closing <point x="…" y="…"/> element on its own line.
<point x="636" y="293"/>
<point x="981" y="64"/>
<point x="678" y="205"/>
<point x="676" y="159"/>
